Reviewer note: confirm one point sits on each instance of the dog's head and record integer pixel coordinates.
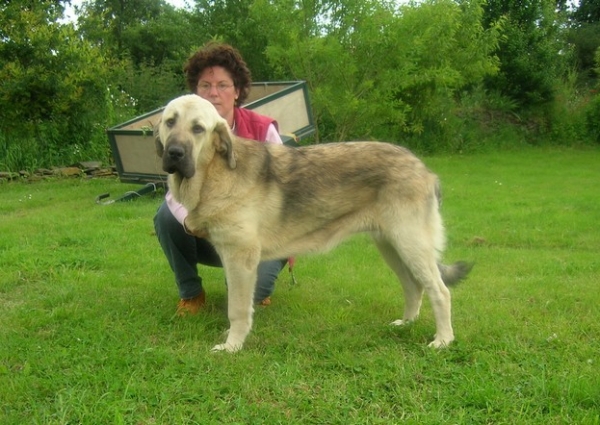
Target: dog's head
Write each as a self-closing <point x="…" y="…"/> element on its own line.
<point x="189" y="126"/>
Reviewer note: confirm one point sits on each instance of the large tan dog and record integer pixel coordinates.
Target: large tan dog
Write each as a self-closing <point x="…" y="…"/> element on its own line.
<point x="257" y="201"/>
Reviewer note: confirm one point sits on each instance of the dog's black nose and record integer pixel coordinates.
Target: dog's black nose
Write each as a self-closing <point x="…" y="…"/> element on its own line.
<point x="176" y="153"/>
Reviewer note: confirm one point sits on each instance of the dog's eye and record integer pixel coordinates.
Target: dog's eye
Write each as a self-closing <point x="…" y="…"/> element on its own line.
<point x="170" y="122"/>
<point x="197" y="129"/>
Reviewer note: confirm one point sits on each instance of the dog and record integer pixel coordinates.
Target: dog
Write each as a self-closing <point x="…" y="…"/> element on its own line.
<point x="259" y="201"/>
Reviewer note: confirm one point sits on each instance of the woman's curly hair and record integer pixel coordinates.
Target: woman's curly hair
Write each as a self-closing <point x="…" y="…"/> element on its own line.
<point x="215" y="53"/>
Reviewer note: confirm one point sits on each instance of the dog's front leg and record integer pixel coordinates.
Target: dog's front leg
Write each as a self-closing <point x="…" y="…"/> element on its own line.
<point x="240" y="272"/>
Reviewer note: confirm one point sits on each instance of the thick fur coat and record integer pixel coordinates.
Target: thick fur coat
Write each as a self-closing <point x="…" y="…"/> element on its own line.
<point x="256" y="201"/>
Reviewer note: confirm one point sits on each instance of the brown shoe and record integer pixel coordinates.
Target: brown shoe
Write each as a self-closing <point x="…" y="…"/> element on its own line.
<point x="265" y="302"/>
<point x="191" y="306"/>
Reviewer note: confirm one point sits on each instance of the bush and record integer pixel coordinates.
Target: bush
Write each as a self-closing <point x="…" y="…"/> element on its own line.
<point x="53" y="107"/>
<point x="592" y="119"/>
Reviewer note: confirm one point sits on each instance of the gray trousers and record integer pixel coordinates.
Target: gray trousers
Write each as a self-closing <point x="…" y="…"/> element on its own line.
<point x="184" y="252"/>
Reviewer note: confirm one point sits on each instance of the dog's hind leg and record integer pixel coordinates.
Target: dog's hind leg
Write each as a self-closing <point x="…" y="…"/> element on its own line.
<point x="422" y="264"/>
<point x="240" y="272"/>
<point x="419" y="256"/>
<point x="439" y="295"/>
<point x="413" y="292"/>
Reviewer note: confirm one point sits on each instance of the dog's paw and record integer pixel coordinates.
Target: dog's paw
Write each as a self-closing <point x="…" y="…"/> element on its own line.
<point x="440" y="343"/>
<point x="226" y="347"/>
<point x="400" y="322"/>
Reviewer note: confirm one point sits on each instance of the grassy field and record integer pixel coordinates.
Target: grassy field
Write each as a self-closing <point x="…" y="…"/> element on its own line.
<point x="88" y="333"/>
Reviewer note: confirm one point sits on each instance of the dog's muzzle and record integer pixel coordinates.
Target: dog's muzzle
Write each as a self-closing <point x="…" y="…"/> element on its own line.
<point x="177" y="158"/>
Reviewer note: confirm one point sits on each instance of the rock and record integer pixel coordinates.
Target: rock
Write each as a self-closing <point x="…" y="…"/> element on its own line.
<point x="103" y="172"/>
<point x="67" y="171"/>
<point x="43" y="172"/>
<point x="8" y="175"/>
<point x="89" y="166"/>
<point x="90" y="169"/>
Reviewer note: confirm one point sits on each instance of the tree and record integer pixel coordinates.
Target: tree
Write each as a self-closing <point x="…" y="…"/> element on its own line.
<point x="104" y="22"/>
<point x="149" y="39"/>
<point x="585" y="37"/>
<point x="587" y="12"/>
<point x="374" y="70"/>
<point x="54" y="85"/>
<point x="232" y="22"/>
<point x="532" y="51"/>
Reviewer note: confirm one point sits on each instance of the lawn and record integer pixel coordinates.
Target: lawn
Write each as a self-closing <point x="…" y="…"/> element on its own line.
<point x="88" y="333"/>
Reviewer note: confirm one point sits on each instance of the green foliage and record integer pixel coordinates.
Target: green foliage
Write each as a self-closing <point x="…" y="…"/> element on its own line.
<point x="588" y="11"/>
<point x="532" y="51"/>
<point x="106" y="22"/>
<point x="592" y="110"/>
<point x="163" y="40"/>
<point x="370" y="66"/>
<point x="567" y="115"/>
<point x="585" y="40"/>
<point x="232" y="22"/>
<point x="52" y="100"/>
<point x="343" y="85"/>
<point x="135" y="81"/>
<point x="436" y="81"/>
<point x="438" y="75"/>
<point x="593" y="119"/>
<point x="585" y="36"/>
<point x="150" y="41"/>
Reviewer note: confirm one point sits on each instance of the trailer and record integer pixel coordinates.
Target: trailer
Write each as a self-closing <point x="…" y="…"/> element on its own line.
<point x="133" y="148"/>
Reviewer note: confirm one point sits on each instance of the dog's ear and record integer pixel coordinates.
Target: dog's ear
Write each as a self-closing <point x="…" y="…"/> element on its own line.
<point x="160" y="149"/>
<point x="223" y="144"/>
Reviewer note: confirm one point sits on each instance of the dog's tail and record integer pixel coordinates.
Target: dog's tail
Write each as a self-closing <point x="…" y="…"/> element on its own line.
<point x="454" y="273"/>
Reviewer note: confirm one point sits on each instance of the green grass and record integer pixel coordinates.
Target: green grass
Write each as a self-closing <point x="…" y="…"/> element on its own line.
<point x="87" y="332"/>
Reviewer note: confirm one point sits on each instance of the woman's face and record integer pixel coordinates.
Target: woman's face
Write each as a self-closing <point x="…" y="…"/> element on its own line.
<point x="216" y="85"/>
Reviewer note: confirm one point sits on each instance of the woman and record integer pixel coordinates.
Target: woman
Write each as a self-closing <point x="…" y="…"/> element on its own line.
<point x="217" y="73"/>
